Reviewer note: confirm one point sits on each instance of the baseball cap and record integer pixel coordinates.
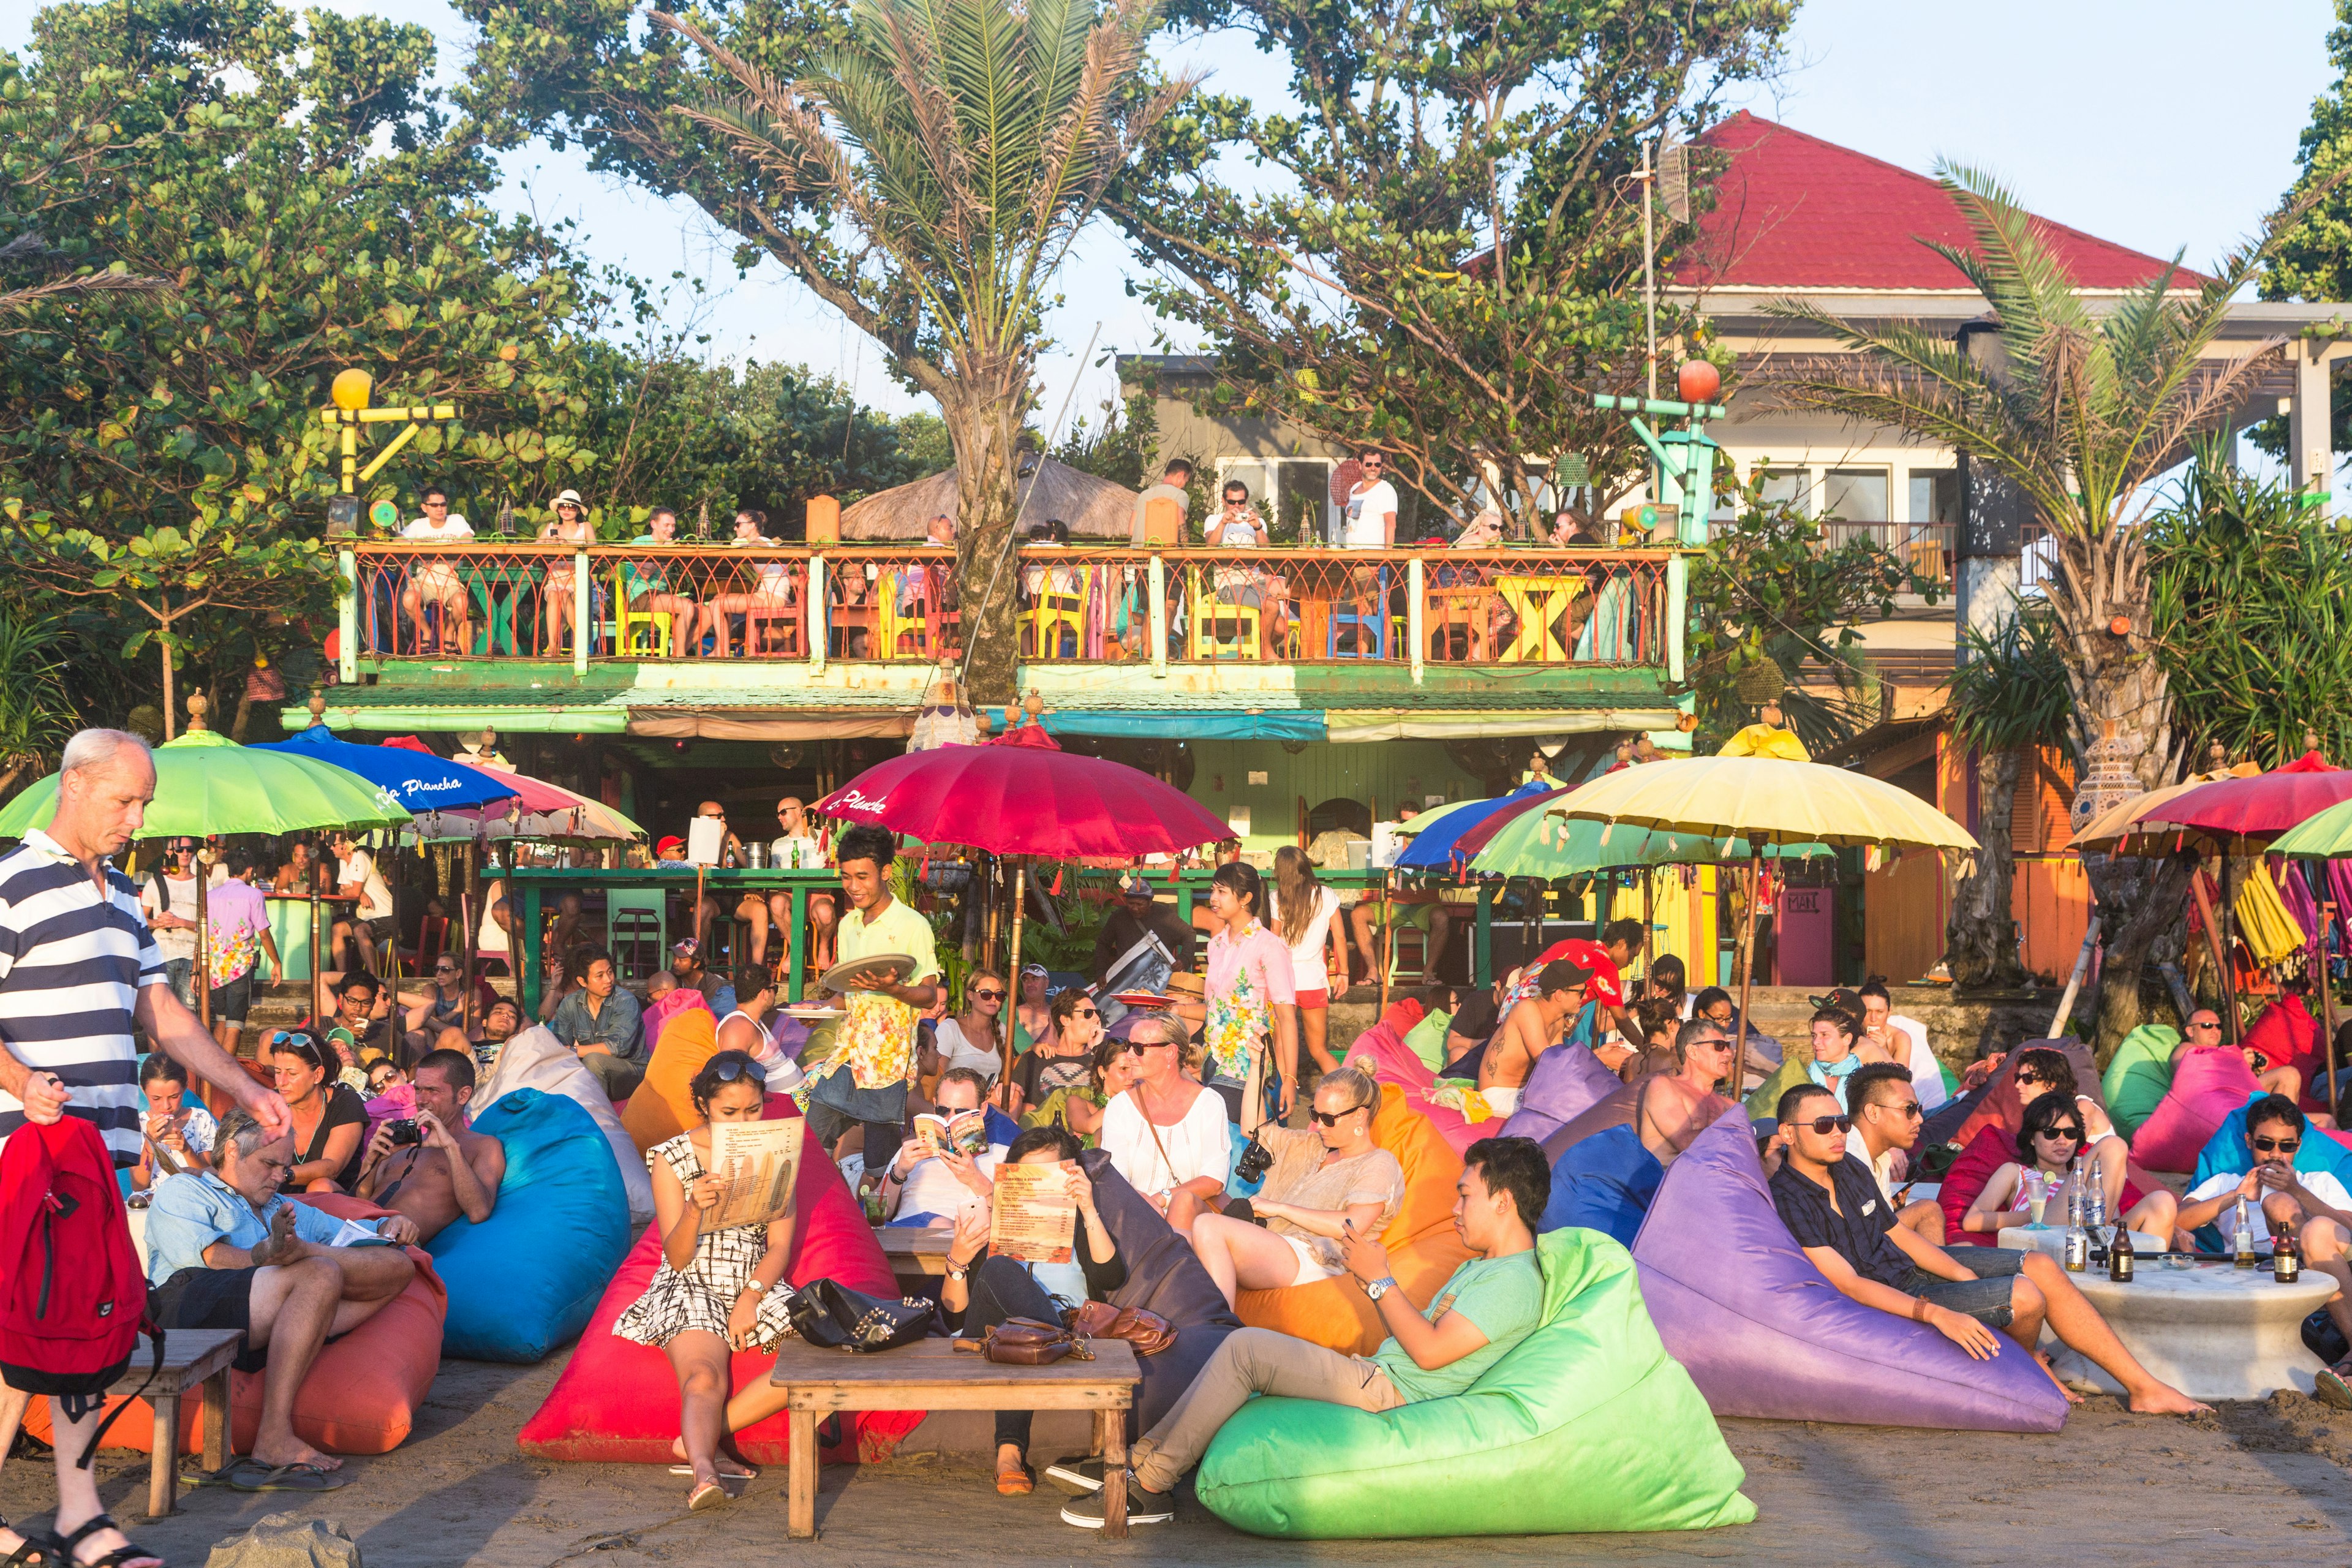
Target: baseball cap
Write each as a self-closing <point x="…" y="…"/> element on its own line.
<point x="1603" y="985"/>
<point x="667" y="845"/>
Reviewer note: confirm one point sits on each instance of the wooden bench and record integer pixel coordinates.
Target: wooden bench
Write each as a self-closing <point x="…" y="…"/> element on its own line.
<point x="934" y="1375"/>
<point x="190" y="1356"/>
<point x="917" y="1254"/>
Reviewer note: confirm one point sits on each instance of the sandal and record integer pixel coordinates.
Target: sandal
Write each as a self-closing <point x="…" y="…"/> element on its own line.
<point x="36" y="1549"/>
<point x="708" y="1495"/>
<point x="130" y="1551"/>
<point x="253" y="1476"/>
<point x="1018" y="1481"/>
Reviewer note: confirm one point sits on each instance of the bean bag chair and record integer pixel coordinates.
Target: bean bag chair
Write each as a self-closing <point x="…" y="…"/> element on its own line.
<point x="2226" y="1150"/>
<point x="680" y="999"/>
<point x="1163" y="1276"/>
<point x="363" y="1392"/>
<point x="2138" y="1074"/>
<point x="1763" y="1103"/>
<point x="1765" y="1335"/>
<point x="1426" y="1040"/>
<point x="661" y="1108"/>
<point x="535" y="1059"/>
<point x="1614" y="1109"/>
<point x="1586" y="1424"/>
<point x="616" y="1401"/>
<point x="1604" y="1183"/>
<point x="524" y="1280"/>
<point x="1987" y="1151"/>
<point x="1999" y="1104"/>
<point x="2208" y="1083"/>
<point x="2288" y="1035"/>
<point x="1564" y="1083"/>
<point x="1380" y="1050"/>
<point x="1424" y="1251"/>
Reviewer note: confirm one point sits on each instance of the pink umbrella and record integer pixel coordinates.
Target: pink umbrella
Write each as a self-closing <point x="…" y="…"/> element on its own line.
<point x="1480" y="834"/>
<point x="1024" y="800"/>
<point x="2265" y="806"/>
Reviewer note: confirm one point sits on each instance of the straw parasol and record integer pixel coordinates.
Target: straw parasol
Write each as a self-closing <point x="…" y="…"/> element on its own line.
<point x="1090" y="508"/>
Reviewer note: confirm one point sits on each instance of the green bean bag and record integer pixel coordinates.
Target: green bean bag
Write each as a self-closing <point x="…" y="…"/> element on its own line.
<point x="1586" y="1425"/>
<point x="2138" y="1074"/>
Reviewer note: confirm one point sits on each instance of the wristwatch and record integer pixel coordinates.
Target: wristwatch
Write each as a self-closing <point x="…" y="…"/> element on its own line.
<point x="1380" y="1287"/>
<point x="755" y="1287"/>
<point x="958" y="1270"/>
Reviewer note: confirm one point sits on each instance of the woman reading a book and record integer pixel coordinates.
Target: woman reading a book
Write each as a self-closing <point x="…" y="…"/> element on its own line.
<point x="982" y="1290"/>
<point x="717" y="1291"/>
<point x="1064" y="1057"/>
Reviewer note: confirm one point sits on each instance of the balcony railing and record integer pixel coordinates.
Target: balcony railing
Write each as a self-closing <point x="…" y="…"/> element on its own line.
<point x="1421" y="605"/>
<point x="1924" y="547"/>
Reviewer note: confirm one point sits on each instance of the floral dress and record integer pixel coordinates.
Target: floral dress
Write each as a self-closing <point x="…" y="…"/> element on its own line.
<point x="700" y="1295"/>
<point x="1247" y="977"/>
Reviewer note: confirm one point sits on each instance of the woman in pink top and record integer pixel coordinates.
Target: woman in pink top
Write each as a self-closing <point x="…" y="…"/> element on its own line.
<point x="1251" y="1001"/>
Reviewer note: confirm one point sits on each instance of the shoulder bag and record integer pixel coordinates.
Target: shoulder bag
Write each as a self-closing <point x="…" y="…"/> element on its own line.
<point x="831" y="1315"/>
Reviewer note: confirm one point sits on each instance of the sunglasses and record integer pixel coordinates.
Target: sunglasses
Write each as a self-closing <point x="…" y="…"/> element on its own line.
<point x="301" y="1045"/>
<point x="2028" y="1080"/>
<point x="988" y="995"/>
<point x="2277" y="1145"/>
<point x="2194" y="1025"/>
<point x="1086" y="1012"/>
<point x="1140" y="1046"/>
<point x="1824" y="1125"/>
<point x="2057" y="1134"/>
<point x="1909" y="1110"/>
<point x="729" y="1071"/>
<point x="1333" y="1117"/>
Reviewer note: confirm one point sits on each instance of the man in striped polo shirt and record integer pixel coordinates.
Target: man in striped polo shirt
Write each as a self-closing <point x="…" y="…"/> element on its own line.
<point x="79" y="969"/>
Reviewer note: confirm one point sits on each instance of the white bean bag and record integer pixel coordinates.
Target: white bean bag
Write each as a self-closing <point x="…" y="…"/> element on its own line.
<point x="536" y="1059"/>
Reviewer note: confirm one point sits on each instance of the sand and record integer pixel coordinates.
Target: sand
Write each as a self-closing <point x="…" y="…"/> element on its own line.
<point x="2262" y="1482"/>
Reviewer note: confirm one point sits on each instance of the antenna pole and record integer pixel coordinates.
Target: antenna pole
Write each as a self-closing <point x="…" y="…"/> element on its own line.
<point x="1649" y="270"/>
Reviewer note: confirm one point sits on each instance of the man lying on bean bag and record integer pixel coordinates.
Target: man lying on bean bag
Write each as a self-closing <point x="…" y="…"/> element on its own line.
<point x="1493" y="1302"/>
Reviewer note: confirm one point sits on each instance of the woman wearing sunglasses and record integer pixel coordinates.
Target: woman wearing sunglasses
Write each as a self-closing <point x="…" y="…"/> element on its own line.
<point x="716" y="1292"/>
<point x="1065" y="1056"/>
<point x="973" y="1037"/>
<point x="2047" y="1143"/>
<point x="2044" y="1071"/>
<point x="1325" y="1181"/>
<point x="330" y="1117"/>
<point x="1077" y="1108"/>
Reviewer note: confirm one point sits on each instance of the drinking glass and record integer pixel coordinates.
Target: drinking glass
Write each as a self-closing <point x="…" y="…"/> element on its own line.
<point x="2037" y="1198"/>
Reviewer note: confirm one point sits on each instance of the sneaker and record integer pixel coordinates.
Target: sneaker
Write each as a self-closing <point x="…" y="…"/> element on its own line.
<point x="1142" y="1508"/>
<point x="1076" y="1477"/>
<point x="2331" y="1389"/>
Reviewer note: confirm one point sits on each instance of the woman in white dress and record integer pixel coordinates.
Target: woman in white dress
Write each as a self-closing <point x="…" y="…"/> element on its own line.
<point x="570" y="527"/>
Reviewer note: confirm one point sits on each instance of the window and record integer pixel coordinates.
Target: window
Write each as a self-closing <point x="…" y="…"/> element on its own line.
<point x="1785" y="487"/>
<point x="1935" y="496"/>
<point x="1854" y="495"/>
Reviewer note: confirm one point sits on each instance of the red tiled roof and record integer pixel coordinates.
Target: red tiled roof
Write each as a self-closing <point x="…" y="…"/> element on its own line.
<point x="1795" y="211"/>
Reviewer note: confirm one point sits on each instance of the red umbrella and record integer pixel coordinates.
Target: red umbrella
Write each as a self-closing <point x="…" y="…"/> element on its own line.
<point x="1477" y="836"/>
<point x="1024" y="800"/>
<point x="2265" y="806"/>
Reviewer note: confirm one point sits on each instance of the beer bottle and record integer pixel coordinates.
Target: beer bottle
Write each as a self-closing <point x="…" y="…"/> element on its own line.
<point x="2078" y="1250"/>
<point x="2245" y="1242"/>
<point x="2286" y="1258"/>
<point x="2119" y="1255"/>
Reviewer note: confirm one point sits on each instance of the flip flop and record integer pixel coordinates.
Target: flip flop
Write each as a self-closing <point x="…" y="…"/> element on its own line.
<point x="708" y="1495"/>
<point x="253" y="1476"/>
<point x="750" y="1473"/>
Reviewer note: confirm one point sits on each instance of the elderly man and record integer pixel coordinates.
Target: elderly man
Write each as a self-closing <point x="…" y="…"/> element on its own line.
<point x="603" y="1026"/>
<point x="1677" y="1107"/>
<point x="226" y="1250"/>
<point x="450" y="1169"/>
<point x="79" y="970"/>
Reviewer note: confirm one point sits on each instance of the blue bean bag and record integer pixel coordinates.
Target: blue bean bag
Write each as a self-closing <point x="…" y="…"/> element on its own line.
<point x="1605" y="1183"/>
<point x="526" y="1279"/>
<point x="1765" y="1335"/>
<point x="1586" y="1424"/>
<point x="2226" y="1150"/>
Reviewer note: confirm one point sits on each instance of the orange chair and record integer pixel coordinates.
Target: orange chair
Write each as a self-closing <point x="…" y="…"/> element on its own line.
<point x="663" y="1107"/>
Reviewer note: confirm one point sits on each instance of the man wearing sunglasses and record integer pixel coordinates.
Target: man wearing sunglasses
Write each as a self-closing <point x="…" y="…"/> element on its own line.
<point x="1847" y="1227"/>
<point x="1888" y="1117"/>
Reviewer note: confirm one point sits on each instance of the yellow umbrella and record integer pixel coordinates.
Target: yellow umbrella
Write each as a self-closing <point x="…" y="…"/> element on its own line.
<point x="1766" y="793"/>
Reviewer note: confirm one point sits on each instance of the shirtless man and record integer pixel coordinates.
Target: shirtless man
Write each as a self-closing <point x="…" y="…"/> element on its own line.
<point x="1677" y="1107"/>
<point x="1533" y="1027"/>
<point x="453" y="1171"/>
<point x="751" y="907"/>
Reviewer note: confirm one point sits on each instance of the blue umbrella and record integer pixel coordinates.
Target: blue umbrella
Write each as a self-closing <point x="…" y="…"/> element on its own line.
<point x="419" y="780"/>
<point x="1431" y="848"/>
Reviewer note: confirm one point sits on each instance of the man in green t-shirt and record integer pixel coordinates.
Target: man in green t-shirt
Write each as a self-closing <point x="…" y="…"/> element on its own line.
<point x="1490" y="1304"/>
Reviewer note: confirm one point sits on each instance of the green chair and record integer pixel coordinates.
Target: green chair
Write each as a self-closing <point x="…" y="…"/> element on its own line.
<point x="1587" y="1424"/>
<point x="637" y="925"/>
<point x="2138" y="1075"/>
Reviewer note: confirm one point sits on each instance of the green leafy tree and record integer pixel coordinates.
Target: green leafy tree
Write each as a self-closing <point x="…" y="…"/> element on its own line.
<point x="2083" y="405"/>
<point x="2009" y="696"/>
<point x="2313" y="257"/>
<point x="36" y="711"/>
<point x="924" y="170"/>
<point x="1442" y="253"/>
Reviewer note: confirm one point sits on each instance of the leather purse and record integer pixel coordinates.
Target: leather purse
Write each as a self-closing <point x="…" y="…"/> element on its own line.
<point x="1025" y="1342"/>
<point x="1148" y="1332"/>
<point x="831" y="1315"/>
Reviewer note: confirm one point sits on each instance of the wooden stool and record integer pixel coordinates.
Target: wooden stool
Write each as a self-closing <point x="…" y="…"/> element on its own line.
<point x="190" y="1357"/>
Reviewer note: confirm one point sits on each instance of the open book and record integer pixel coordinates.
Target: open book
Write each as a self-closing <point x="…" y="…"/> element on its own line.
<point x="964" y="1131"/>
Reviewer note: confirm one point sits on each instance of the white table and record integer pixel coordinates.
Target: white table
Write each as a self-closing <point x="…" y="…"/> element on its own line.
<point x="2212" y="1331"/>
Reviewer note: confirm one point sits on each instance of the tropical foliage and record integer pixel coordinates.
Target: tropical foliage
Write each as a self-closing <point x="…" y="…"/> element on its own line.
<point x="2313" y="259"/>
<point x="2008" y="697"/>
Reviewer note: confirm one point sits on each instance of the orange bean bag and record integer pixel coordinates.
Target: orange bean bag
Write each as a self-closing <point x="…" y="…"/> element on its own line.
<point x="616" y="1401"/>
<point x="363" y="1391"/>
<point x="1424" y="1251"/>
<point x="661" y="1108"/>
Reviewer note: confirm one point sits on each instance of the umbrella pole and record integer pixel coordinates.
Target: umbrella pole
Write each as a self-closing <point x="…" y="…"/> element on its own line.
<point x="2074" y="980"/>
<point x="2215" y="940"/>
<point x="318" y="949"/>
<point x="1746" y="976"/>
<point x="1019" y="902"/>
<point x="2327" y="1006"/>
<point x="203" y="979"/>
<point x="1388" y="945"/>
<point x="466" y="920"/>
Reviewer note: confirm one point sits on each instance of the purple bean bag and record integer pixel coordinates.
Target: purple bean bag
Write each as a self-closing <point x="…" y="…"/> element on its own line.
<point x="1614" y="1109"/>
<point x="1763" y="1334"/>
<point x="1565" y="1082"/>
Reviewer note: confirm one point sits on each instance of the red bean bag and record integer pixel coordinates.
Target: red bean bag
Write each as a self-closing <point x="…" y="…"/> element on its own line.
<point x="1992" y="1147"/>
<point x="616" y="1401"/>
<point x="2208" y="1083"/>
<point x="363" y="1391"/>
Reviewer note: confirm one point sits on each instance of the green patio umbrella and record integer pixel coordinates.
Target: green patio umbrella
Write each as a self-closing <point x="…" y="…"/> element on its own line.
<point x="2326" y="836"/>
<point x="206" y="783"/>
<point x="1546" y="844"/>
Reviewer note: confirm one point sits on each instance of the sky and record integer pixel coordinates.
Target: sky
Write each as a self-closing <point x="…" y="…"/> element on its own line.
<point x="2139" y="120"/>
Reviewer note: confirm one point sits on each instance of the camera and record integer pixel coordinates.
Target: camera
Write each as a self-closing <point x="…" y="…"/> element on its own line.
<point x="405" y="1133"/>
<point x="1254" y="1161"/>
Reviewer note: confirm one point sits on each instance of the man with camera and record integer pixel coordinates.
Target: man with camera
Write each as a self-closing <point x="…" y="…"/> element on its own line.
<point x="433" y="1168"/>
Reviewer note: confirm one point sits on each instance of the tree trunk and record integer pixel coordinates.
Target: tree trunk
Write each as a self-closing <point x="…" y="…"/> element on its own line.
<point x="983" y="423"/>
<point x="164" y="642"/>
<point x="1980" y="937"/>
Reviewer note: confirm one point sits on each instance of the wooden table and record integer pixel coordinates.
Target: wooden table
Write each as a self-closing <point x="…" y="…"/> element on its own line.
<point x="189" y="1356"/>
<point x="917" y="1254"/>
<point x="934" y="1375"/>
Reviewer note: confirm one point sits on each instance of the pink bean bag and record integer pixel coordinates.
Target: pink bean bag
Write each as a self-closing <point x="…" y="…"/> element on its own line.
<point x="2208" y="1083"/>
<point x="618" y="1400"/>
<point x="1382" y="1051"/>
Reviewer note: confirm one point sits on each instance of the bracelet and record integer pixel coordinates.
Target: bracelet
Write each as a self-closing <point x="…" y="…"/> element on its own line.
<point x="1918" y="1308"/>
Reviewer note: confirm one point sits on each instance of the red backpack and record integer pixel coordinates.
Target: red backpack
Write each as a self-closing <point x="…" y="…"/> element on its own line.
<point x="72" y="1299"/>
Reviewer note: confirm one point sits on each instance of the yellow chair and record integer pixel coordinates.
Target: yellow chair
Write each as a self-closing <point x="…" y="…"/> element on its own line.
<point x="1042" y="627"/>
<point x="625" y="621"/>
<point x="1209" y="638"/>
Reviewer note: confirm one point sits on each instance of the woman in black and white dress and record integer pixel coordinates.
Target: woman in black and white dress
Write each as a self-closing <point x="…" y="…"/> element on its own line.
<point x="718" y="1291"/>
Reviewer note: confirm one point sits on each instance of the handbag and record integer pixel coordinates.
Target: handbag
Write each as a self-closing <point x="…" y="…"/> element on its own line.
<point x="1148" y="1332"/>
<point x="1025" y="1342"/>
<point x="831" y="1315"/>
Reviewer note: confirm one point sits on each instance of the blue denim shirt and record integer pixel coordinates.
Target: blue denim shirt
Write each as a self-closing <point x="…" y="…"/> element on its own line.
<point x="619" y="1028"/>
<point x="196" y="1208"/>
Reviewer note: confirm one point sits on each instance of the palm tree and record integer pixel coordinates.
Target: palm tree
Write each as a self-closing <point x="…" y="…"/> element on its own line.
<point x="953" y="149"/>
<point x="36" y="715"/>
<point x="2008" y="697"/>
<point x="2081" y="409"/>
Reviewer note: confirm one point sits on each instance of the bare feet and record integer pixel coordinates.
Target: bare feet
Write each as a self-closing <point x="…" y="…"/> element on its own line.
<point x="2163" y="1399"/>
<point x="2043" y="1362"/>
<point x="295" y="1453"/>
<point x="730" y="1465"/>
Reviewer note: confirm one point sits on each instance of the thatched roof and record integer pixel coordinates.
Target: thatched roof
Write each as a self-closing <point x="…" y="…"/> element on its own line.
<point x="1090" y="507"/>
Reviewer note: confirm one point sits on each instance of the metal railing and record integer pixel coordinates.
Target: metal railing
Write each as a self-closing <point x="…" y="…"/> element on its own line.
<point x="1924" y="547"/>
<point x="1072" y="603"/>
